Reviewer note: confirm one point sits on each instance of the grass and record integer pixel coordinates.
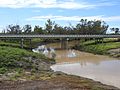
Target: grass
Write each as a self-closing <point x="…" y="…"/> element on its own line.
<point x="10" y="44"/>
<point x="100" y="48"/>
<point x="12" y="58"/>
<point x="34" y="42"/>
<point x="16" y="43"/>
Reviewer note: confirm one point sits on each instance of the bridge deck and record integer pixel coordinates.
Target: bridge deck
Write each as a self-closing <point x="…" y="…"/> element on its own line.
<point x="59" y="36"/>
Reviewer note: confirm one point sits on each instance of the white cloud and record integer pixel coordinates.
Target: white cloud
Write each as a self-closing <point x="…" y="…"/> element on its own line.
<point x="112" y="18"/>
<point x="74" y="18"/>
<point x="69" y="4"/>
<point x="1" y="27"/>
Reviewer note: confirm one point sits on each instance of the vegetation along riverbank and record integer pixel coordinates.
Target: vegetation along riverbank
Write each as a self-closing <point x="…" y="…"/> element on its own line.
<point x="109" y="47"/>
<point x="21" y="69"/>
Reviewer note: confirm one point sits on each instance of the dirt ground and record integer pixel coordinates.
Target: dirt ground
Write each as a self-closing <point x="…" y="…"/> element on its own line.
<point x="60" y="82"/>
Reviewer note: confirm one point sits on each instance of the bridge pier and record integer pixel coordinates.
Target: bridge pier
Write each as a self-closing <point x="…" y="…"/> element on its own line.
<point x="30" y="42"/>
<point x="22" y="43"/>
<point x="99" y="40"/>
<point x="63" y="43"/>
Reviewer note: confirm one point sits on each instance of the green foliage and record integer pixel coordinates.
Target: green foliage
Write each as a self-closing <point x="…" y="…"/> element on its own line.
<point x="83" y="27"/>
<point x="38" y="30"/>
<point x="100" y="48"/>
<point x="3" y="70"/>
<point x="14" y="29"/>
<point x="49" y="26"/>
<point x="91" y="27"/>
<point x="36" y="41"/>
<point x="12" y="58"/>
<point x="27" y="29"/>
<point x="116" y="30"/>
<point x="10" y="44"/>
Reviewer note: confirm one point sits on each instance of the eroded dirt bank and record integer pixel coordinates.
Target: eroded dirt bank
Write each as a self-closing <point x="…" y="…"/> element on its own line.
<point x="58" y="82"/>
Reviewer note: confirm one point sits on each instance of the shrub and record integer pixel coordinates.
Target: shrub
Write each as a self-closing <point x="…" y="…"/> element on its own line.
<point x="3" y="70"/>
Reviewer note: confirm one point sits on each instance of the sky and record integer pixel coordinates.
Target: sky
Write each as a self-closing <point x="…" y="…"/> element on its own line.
<point x="63" y="12"/>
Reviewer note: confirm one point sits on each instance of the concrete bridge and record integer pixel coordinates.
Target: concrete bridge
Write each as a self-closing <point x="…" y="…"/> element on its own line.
<point x="63" y="38"/>
<point x="59" y="36"/>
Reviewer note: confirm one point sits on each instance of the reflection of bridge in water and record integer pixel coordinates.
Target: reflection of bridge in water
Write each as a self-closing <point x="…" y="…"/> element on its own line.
<point x="63" y="38"/>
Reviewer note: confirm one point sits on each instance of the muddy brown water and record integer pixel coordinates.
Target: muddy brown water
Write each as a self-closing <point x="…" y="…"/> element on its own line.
<point x="97" y="67"/>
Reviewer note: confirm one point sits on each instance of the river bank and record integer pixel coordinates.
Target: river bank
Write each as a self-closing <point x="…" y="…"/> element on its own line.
<point x="39" y="76"/>
<point x="110" y="47"/>
<point x="58" y="81"/>
<point x="33" y="72"/>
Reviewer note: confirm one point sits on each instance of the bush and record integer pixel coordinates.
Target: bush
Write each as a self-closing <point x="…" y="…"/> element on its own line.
<point x="100" y="48"/>
<point x="3" y="70"/>
<point x="12" y="58"/>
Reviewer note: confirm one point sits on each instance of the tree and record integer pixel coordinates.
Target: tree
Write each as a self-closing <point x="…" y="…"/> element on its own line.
<point x="14" y="29"/>
<point x="99" y="27"/>
<point x="58" y="29"/>
<point x="3" y="31"/>
<point x="81" y="26"/>
<point x="27" y="29"/>
<point x="38" y="30"/>
<point x="116" y="30"/>
<point x="49" y="26"/>
<point x="91" y="27"/>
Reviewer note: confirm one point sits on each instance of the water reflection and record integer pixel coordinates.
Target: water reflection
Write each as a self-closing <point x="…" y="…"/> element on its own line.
<point x="48" y="52"/>
<point x="81" y="57"/>
<point x="96" y="67"/>
<point x="71" y="53"/>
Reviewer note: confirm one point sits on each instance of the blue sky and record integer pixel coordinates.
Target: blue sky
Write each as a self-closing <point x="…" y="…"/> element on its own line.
<point x="63" y="12"/>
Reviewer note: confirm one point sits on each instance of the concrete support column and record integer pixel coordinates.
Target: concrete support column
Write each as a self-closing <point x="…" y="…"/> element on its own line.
<point x="77" y="41"/>
<point x="67" y="43"/>
<point x="63" y="43"/>
<point x="22" y="44"/>
<point x="30" y="44"/>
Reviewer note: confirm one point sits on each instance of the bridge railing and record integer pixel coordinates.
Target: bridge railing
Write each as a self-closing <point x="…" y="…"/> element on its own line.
<point x="59" y="36"/>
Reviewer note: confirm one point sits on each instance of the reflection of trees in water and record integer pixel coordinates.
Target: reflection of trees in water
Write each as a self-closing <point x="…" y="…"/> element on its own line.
<point x="83" y="58"/>
<point x="86" y="62"/>
<point x="69" y="44"/>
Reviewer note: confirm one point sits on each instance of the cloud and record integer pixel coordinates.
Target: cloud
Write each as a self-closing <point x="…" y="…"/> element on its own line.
<point x="69" y="4"/>
<point x="112" y="18"/>
<point x="1" y="27"/>
<point x="74" y="18"/>
<point x="62" y="18"/>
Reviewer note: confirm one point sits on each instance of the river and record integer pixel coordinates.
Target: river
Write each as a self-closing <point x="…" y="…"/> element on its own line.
<point x="97" y="67"/>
